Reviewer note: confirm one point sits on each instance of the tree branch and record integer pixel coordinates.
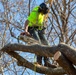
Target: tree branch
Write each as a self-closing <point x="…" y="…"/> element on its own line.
<point x="40" y="69"/>
<point x="68" y="52"/>
<point x="37" y="49"/>
<point x="43" y="50"/>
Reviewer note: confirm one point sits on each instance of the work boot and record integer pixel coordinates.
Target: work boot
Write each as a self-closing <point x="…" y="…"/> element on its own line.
<point x="39" y="60"/>
<point x="47" y="64"/>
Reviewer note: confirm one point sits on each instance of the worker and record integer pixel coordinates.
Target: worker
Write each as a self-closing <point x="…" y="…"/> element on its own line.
<point x="34" y="27"/>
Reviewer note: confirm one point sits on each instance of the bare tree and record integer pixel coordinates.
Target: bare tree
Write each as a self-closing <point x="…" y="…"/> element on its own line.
<point x="61" y="27"/>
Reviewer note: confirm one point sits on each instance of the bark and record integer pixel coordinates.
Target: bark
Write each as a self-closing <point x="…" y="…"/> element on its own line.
<point x="65" y="63"/>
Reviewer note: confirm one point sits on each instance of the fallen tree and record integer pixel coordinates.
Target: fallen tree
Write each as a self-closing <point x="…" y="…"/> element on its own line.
<point x="65" y="57"/>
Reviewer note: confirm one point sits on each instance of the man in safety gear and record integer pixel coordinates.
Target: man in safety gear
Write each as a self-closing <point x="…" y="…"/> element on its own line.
<point x="34" y="27"/>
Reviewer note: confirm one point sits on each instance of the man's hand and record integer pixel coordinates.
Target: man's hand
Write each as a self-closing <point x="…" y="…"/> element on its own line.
<point x="25" y="33"/>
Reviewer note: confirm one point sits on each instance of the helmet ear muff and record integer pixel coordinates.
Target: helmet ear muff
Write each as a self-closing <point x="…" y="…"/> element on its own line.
<point x="45" y="11"/>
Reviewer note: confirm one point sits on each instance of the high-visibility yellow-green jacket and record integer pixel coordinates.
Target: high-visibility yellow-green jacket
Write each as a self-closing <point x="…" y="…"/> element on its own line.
<point x="35" y="18"/>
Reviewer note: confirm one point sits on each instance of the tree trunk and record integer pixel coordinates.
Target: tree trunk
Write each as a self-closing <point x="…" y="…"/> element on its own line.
<point x="65" y="63"/>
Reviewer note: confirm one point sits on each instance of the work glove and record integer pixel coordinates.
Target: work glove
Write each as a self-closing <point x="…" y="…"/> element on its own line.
<point x="26" y="33"/>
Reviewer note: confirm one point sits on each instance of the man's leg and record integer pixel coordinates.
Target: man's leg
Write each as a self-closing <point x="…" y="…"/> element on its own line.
<point x="45" y="42"/>
<point x="34" y="33"/>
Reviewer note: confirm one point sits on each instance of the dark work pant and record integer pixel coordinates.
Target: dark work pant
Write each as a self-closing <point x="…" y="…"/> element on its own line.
<point x="39" y="35"/>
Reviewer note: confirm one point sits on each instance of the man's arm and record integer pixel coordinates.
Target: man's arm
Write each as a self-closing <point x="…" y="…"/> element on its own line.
<point x="26" y="26"/>
<point x="26" y="29"/>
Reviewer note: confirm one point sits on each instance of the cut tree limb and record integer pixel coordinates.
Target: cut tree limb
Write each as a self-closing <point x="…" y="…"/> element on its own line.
<point x="65" y="63"/>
